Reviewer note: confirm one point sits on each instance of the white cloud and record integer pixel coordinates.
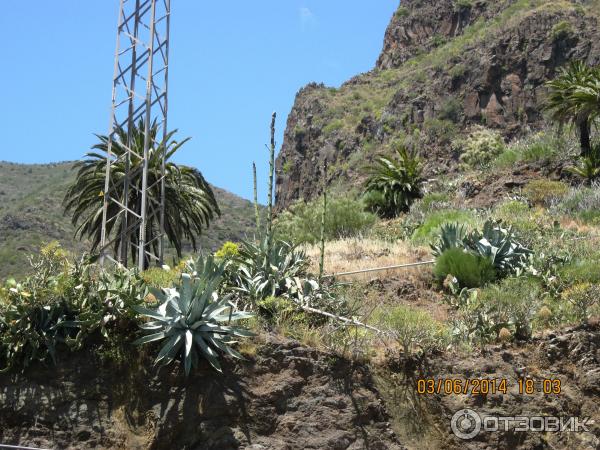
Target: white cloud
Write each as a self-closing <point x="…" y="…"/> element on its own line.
<point x="307" y="18"/>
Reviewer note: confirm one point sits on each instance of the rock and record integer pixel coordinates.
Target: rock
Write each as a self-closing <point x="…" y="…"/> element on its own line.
<point x="497" y="81"/>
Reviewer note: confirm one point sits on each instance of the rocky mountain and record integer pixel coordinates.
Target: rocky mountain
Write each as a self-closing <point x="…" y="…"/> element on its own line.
<point x="445" y="66"/>
<point x="31" y="213"/>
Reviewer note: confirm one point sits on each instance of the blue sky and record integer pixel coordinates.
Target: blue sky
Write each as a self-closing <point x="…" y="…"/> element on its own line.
<point x="232" y="64"/>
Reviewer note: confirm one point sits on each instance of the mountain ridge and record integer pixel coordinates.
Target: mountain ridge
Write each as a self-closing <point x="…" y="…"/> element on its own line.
<point x="31" y="214"/>
<point x="445" y="66"/>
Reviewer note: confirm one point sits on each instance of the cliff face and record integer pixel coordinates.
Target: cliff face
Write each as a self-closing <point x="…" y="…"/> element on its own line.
<point x="445" y="65"/>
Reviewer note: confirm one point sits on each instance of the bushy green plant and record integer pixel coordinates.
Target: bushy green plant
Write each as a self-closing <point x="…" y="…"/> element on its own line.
<point x="470" y="270"/>
<point x="61" y="304"/>
<point x="561" y="30"/>
<point x="538" y="147"/>
<point x="583" y="203"/>
<point x="443" y="131"/>
<point x="345" y="217"/>
<point x="415" y="329"/>
<point x="480" y="148"/>
<point x="545" y="192"/>
<point x="228" y="250"/>
<point x="583" y="297"/>
<point x="493" y="242"/>
<point x="159" y="277"/>
<point x="194" y="320"/>
<point x="433" y="222"/>
<point x="512" y="304"/>
<point x="462" y="4"/>
<point x="580" y="271"/>
<point x="398" y="179"/>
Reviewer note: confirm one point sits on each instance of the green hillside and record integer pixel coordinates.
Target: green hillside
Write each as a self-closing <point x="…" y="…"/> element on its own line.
<point x="31" y="214"/>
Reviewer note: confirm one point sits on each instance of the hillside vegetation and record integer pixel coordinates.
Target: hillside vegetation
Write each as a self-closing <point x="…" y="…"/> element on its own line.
<point x="31" y="214"/>
<point x="435" y="249"/>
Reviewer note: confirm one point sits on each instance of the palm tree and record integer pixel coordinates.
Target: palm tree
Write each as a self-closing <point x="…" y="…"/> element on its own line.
<point x="574" y="99"/>
<point x="394" y="183"/>
<point x="190" y="204"/>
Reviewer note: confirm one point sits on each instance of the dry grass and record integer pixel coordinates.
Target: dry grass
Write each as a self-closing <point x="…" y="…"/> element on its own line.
<point x="348" y="255"/>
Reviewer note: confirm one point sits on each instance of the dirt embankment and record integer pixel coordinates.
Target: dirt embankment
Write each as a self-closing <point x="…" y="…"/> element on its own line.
<point x="285" y="397"/>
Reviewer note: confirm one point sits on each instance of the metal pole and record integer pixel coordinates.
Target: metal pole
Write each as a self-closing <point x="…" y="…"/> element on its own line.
<point x="110" y="138"/>
<point x="147" y="143"/>
<point x="161" y="251"/>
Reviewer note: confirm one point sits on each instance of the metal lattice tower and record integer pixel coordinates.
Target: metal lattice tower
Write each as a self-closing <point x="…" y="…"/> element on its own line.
<point x="139" y="93"/>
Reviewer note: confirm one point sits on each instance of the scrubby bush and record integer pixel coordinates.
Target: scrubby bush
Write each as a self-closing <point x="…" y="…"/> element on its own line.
<point x="415" y="329"/>
<point x="451" y="110"/>
<point x="582" y="202"/>
<point x="444" y="130"/>
<point x="512" y="305"/>
<point x="470" y="270"/>
<point x="583" y="297"/>
<point x="480" y="148"/>
<point x="161" y="277"/>
<point x="61" y="304"/>
<point x="228" y="250"/>
<point x="561" y="30"/>
<point x="542" y="146"/>
<point x="545" y="192"/>
<point x="433" y="222"/>
<point x="581" y="271"/>
<point x="345" y="217"/>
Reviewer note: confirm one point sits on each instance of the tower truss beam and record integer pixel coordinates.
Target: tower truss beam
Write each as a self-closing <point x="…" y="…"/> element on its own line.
<point x="139" y="92"/>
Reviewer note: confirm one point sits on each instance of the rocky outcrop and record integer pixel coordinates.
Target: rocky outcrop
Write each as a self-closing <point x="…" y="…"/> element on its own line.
<point x="287" y="396"/>
<point x="445" y="66"/>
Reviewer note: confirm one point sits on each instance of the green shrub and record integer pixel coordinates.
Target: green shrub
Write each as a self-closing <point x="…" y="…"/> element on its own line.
<point x="480" y="148"/>
<point x="562" y="30"/>
<point x="158" y="277"/>
<point x="62" y="304"/>
<point x="583" y="297"/>
<point x="512" y="305"/>
<point x="582" y="203"/>
<point x="228" y="250"/>
<point x="332" y="126"/>
<point x="451" y="110"/>
<point x="457" y="71"/>
<point x="345" y="217"/>
<point x="470" y="270"/>
<point x="415" y="329"/>
<point x="581" y="271"/>
<point x="462" y="4"/>
<point x="402" y="11"/>
<point x="444" y="130"/>
<point x="499" y="245"/>
<point x="545" y="192"/>
<point x="539" y="147"/>
<point x="433" y="222"/>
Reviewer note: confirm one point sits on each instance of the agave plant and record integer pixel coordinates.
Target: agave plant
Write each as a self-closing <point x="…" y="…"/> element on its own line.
<point x="265" y="271"/>
<point x="493" y="242"/>
<point x="499" y="245"/>
<point x="451" y="235"/>
<point x="194" y="320"/>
